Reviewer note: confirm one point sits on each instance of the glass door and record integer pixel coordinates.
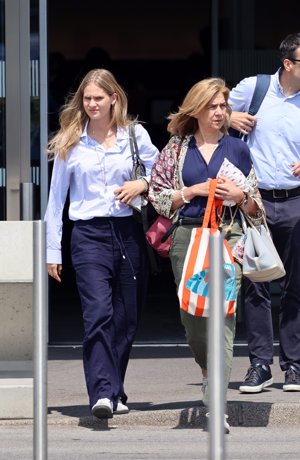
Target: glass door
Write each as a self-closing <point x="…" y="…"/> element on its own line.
<point x="20" y="109"/>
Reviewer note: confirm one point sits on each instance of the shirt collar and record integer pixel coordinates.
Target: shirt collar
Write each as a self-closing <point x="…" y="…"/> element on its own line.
<point x="122" y="135"/>
<point x="84" y="135"/>
<point x="277" y="75"/>
<point x="192" y="140"/>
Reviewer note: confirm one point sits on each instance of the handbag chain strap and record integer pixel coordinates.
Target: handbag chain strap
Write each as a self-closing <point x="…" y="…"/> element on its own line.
<point x="133" y="144"/>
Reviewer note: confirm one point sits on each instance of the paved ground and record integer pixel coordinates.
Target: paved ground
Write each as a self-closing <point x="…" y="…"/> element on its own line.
<point x="163" y="387"/>
<point x="150" y="443"/>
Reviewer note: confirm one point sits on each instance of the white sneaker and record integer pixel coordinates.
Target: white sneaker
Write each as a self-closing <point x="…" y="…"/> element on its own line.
<point x="121" y="408"/>
<point x="103" y="408"/>
<point x="226" y="424"/>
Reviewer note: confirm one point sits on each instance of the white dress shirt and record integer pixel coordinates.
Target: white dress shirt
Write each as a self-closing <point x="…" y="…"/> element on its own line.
<point x="275" y="141"/>
<point x="91" y="174"/>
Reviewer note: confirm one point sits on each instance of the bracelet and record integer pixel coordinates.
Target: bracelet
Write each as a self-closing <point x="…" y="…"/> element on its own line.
<point x="182" y="196"/>
<point x="244" y="200"/>
<point x="146" y="185"/>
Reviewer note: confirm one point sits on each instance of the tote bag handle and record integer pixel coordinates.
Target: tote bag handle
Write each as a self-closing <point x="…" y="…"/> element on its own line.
<point x="212" y="206"/>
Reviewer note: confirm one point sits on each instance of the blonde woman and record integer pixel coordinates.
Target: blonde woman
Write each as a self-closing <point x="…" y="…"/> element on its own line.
<point x="92" y="160"/>
<point x="179" y="188"/>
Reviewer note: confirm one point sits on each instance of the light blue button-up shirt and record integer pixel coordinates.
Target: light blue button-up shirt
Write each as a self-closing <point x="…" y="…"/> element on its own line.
<point x="275" y="141"/>
<point x="92" y="173"/>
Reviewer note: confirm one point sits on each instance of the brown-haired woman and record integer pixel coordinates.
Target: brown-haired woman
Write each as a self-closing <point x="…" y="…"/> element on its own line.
<point x="179" y="188"/>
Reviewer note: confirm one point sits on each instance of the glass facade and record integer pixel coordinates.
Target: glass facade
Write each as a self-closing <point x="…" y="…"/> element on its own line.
<point x="30" y="118"/>
<point x="156" y="57"/>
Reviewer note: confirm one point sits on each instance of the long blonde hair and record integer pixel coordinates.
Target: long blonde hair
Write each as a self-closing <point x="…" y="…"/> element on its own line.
<point x="184" y="122"/>
<point x="73" y="117"/>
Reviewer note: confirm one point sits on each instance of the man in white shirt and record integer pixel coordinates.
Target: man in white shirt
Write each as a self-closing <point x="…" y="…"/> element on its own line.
<point x="273" y="137"/>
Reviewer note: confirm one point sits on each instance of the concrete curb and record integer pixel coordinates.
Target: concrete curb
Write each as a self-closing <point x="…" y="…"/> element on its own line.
<point x="164" y="389"/>
<point x="245" y="414"/>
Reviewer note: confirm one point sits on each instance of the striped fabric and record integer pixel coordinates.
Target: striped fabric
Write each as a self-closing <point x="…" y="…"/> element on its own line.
<point x="197" y="260"/>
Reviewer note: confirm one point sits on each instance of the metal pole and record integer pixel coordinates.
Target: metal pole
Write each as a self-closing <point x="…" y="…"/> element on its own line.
<point x="216" y="348"/>
<point x="27" y="201"/>
<point x="40" y="331"/>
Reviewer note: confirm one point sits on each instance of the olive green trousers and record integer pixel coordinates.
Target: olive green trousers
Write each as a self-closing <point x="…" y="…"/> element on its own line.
<point x="196" y="327"/>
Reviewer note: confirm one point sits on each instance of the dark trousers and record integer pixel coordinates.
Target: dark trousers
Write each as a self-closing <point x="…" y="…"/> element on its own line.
<point x="283" y="217"/>
<point x="109" y="259"/>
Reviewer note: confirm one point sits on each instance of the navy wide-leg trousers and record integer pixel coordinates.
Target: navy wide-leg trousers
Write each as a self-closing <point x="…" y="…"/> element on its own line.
<point x="110" y="262"/>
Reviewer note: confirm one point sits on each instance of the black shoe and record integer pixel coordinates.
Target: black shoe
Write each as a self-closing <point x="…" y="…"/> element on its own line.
<point x="292" y="380"/>
<point x="257" y="378"/>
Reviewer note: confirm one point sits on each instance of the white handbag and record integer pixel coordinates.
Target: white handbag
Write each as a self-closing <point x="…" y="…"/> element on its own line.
<point x="261" y="261"/>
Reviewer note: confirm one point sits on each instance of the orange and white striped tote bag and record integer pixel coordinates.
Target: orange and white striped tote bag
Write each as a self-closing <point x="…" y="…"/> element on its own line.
<point x="197" y="262"/>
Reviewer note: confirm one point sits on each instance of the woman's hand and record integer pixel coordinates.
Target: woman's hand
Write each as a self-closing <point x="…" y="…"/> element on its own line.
<point x="129" y="190"/>
<point x="189" y="193"/>
<point x="201" y="189"/>
<point x="242" y="121"/>
<point x="227" y="190"/>
<point x="54" y="270"/>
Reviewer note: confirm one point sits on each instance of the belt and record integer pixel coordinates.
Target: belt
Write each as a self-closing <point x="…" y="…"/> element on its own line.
<point x="197" y="221"/>
<point x="280" y="193"/>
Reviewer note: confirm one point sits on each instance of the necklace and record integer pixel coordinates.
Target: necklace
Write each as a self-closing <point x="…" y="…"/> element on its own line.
<point x="207" y="151"/>
<point x="105" y="139"/>
<point x="206" y="148"/>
